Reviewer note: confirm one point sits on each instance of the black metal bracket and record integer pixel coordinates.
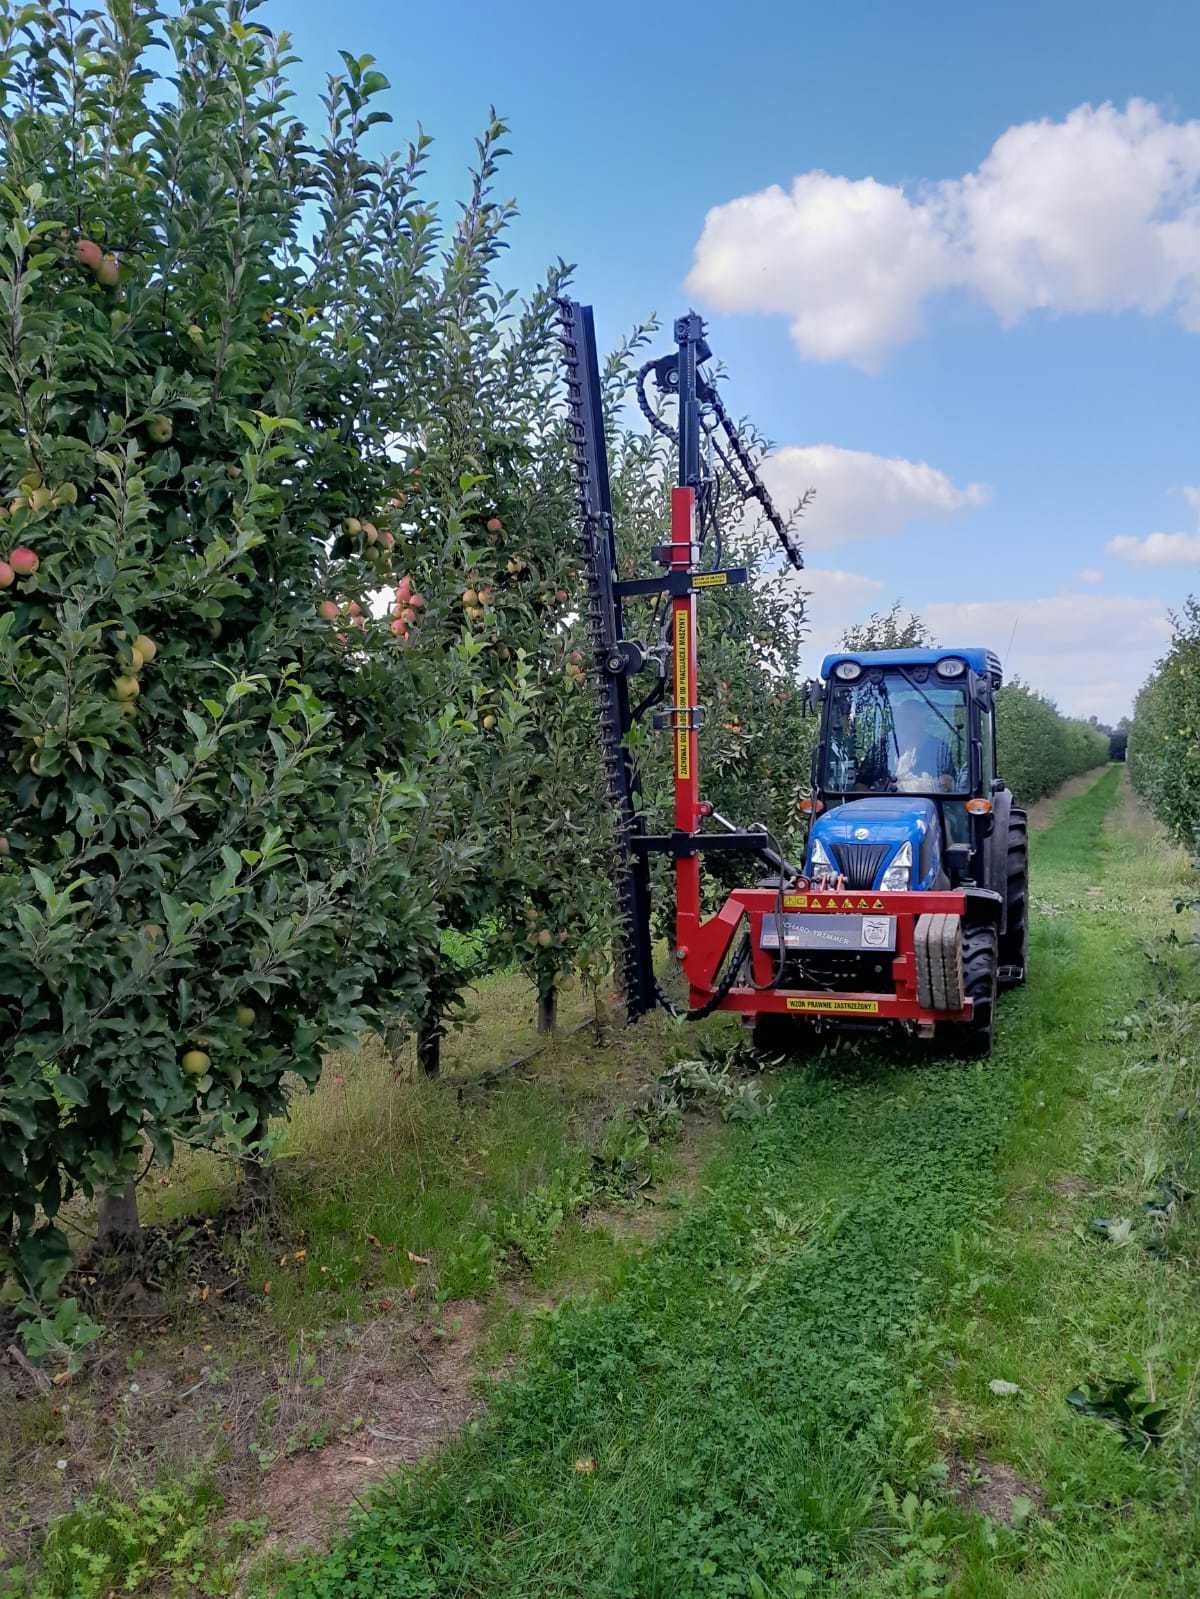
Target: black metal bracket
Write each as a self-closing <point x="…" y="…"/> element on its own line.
<point x="680" y="845"/>
<point x="679" y="719"/>
<point x="680" y="583"/>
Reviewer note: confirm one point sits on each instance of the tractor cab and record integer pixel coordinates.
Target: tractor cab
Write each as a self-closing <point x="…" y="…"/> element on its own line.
<point x="905" y="791"/>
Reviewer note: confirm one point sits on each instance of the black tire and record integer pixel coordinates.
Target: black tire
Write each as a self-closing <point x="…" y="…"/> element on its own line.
<point x="973" y="1039"/>
<point x="1014" y="942"/>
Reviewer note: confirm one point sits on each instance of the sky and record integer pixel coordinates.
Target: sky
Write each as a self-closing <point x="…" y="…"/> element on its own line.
<point x="949" y="257"/>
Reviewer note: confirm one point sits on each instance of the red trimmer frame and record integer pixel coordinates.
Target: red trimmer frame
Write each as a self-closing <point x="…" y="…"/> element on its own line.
<point x="701" y="945"/>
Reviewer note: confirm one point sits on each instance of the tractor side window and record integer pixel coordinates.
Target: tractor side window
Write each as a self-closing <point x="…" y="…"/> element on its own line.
<point x="891" y="734"/>
<point x="987" y="740"/>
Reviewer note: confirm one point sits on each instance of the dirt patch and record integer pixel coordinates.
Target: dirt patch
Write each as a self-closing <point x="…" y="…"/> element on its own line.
<point x="1129" y="814"/>
<point x="1042" y="813"/>
<point x="992" y="1489"/>
<point x="1068" y="1187"/>
<point x="393" y="1415"/>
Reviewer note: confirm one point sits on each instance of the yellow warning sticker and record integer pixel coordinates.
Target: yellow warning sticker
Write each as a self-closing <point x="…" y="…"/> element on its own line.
<point x="814" y="902"/>
<point x="710" y="580"/>
<point x="683" y="696"/>
<point x="854" y="1007"/>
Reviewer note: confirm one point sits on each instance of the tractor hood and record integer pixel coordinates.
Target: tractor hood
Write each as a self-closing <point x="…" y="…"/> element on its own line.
<point x="862" y="836"/>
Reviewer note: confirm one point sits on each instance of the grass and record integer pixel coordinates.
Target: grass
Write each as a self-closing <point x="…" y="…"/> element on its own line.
<point x="779" y="1398"/>
<point x="788" y="1392"/>
<point x="395" y="1197"/>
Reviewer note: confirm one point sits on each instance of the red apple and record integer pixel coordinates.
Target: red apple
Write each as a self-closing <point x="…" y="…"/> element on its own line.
<point x="7" y="575"/>
<point x="495" y="525"/>
<point x="23" y="561"/>
<point x="88" y="253"/>
<point x="354" y="608"/>
<point x="328" y="609"/>
<point x="404" y="588"/>
<point x="416" y="601"/>
<point x="399" y="628"/>
<point x="408" y="616"/>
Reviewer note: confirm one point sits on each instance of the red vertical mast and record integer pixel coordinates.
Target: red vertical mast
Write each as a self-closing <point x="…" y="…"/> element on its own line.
<point x="683" y="555"/>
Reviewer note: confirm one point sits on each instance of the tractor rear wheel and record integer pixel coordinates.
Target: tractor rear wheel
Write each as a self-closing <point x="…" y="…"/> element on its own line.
<point x="1014" y="943"/>
<point x="973" y="1039"/>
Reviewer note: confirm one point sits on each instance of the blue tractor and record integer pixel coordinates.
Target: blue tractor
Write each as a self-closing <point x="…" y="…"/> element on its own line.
<point x="907" y="800"/>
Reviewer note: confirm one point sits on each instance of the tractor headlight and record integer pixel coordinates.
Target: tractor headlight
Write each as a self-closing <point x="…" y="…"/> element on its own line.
<point x="898" y="877"/>
<point x="819" y="857"/>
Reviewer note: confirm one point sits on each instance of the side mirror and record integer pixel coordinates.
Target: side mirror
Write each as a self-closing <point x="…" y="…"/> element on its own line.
<point x="814" y="694"/>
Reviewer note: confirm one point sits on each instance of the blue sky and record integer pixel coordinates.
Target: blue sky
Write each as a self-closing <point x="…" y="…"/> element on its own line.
<point x="1017" y="318"/>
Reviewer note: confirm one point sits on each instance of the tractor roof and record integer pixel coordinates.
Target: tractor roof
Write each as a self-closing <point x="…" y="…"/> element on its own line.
<point x="984" y="663"/>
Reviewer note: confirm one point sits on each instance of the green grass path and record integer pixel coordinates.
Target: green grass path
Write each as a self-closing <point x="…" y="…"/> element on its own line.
<point x="759" y="1406"/>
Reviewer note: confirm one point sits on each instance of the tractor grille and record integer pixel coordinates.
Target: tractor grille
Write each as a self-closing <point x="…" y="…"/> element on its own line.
<point x="858" y="863"/>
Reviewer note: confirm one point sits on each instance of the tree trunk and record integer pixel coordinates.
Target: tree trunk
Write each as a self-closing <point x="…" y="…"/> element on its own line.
<point x="117" y="1222"/>
<point x="547" y="1009"/>
<point x="598" y="1015"/>
<point x="395" y="1040"/>
<point x="429" y="1044"/>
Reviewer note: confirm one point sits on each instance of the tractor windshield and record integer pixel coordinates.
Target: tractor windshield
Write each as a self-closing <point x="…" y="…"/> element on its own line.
<point x="892" y="734"/>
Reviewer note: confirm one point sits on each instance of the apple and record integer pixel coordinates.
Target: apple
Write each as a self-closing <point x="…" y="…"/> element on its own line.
<point x="195" y="332"/>
<point x="195" y="1062"/>
<point x="159" y="429"/>
<point x="495" y="525"/>
<point x="328" y="609"/>
<point x="244" y="1015"/>
<point x="65" y="494"/>
<point x="40" y="499"/>
<point x="404" y="588"/>
<point x="399" y="628"/>
<point x="372" y="532"/>
<point x="545" y="937"/>
<point x="408" y="616"/>
<point x="126" y="688"/>
<point x="416" y="601"/>
<point x="23" y="561"/>
<point x="388" y="540"/>
<point x="353" y="525"/>
<point x="470" y="598"/>
<point x="136" y="659"/>
<point x="7" y="575"/>
<point x="109" y="272"/>
<point x="152" y="932"/>
<point x="146" y="646"/>
<point x="489" y="722"/>
<point x="560" y="595"/>
<point x="530" y="914"/>
<point x="485" y="596"/>
<point x="354" y="608"/>
<point x="4" y="845"/>
<point x="88" y="253"/>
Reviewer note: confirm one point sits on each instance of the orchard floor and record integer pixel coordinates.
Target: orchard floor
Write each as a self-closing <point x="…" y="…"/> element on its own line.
<point x="926" y="1328"/>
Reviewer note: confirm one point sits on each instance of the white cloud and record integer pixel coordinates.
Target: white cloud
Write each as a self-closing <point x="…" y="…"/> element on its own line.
<point x="859" y="495"/>
<point x="1089" y="652"/>
<point x="1090" y="574"/>
<point x="1192" y="496"/>
<point x="1098" y="212"/>
<point x="1158" y="549"/>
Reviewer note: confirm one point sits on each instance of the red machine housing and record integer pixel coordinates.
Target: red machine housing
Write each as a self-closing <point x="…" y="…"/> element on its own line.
<point x="701" y="945"/>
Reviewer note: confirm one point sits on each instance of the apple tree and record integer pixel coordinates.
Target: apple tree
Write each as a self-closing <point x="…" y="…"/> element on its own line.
<point x="227" y="797"/>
